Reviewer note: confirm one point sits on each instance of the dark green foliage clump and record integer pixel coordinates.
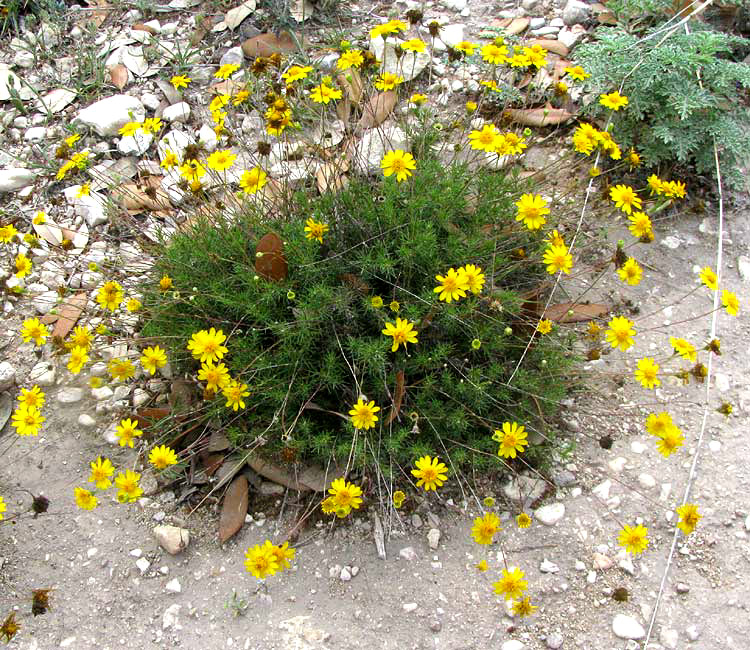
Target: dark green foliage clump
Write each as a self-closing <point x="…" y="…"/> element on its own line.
<point x="687" y="90"/>
<point x="309" y="345"/>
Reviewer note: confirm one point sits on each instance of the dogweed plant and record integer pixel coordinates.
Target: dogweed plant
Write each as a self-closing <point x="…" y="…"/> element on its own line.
<point x="364" y="285"/>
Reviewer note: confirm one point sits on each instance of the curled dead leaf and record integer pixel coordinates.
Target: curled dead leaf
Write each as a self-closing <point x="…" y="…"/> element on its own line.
<point x="68" y="314"/>
<point x="234" y="509"/>
<point x="538" y="116"/>
<point x="398" y="397"/>
<point x="352" y="82"/>
<point x="377" y="108"/>
<point x="271" y="263"/>
<point x="330" y="176"/>
<point x="138" y="197"/>
<point x="571" y="312"/>
<point x="517" y="25"/>
<point x="268" y="44"/>
<point x="558" y="47"/>
<point x="118" y="74"/>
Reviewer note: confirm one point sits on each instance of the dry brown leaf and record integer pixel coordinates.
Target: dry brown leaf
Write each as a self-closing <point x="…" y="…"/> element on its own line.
<point x="377" y="109"/>
<point x="538" y="116"/>
<point x="571" y="312"/>
<point x="149" y="195"/>
<point x="99" y="13"/>
<point x="234" y="509"/>
<point x="268" y="44"/>
<point x="344" y="110"/>
<point x="352" y="82"/>
<point x="397" y="398"/>
<point x="202" y="28"/>
<point x="119" y="75"/>
<point x="68" y="314"/>
<point x="227" y="87"/>
<point x="559" y="71"/>
<point x="271" y="264"/>
<point x="50" y="232"/>
<point x="142" y="27"/>
<point x="330" y="176"/>
<point x="557" y="47"/>
<point x="276" y="473"/>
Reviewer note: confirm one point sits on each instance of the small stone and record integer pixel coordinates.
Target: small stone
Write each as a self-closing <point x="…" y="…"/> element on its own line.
<point x="714" y="446"/>
<point x="143" y="564"/>
<point x="528" y="5"/>
<point x="550" y="514"/>
<point x="433" y="538"/>
<point x="591" y="577"/>
<point x="563" y="478"/>
<point x="70" y="395"/>
<point x="102" y="393"/>
<point x="747" y="523"/>
<point x="637" y="447"/>
<point x="173" y="586"/>
<point x="7" y="375"/>
<point x="671" y="242"/>
<point x="136" y="552"/>
<point x="668" y="637"/>
<point x="170" y="617"/>
<point x="617" y="464"/>
<point x="91" y="552"/>
<point x="416" y="520"/>
<point x="602" y="562"/>
<point x="569" y="37"/>
<point x="207" y="136"/>
<point x="524" y="489"/>
<point x="355" y="571"/>
<point x="554" y="641"/>
<point x="436" y="626"/>
<point x="408" y="553"/>
<point x="692" y="632"/>
<point x="16" y="178"/>
<point x="626" y="627"/>
<point x="625" y="562"/>
<point x="172" y="539"/>
<point x="580" y="566"/>
<point x="86" y="421"/>
<point x="647" y="481"/>
<point x="410" y="607"/>
<point x="345" y="575"/>
<point x="575" y="11"/>
<point x="232" y="55"/>
<point x="513" y="644"/>
<point x="140" y="397"/>
<point x="682" y="588"/>
<point x="136" y="144"/>
<point x="271" y="489"/>
<point x="109" y="115"/>
<point x="536" y="23"/>
<point x="743" y="267"/>
<point x="548" y="567"/>
<point x="43" y="374"/>
<point x="179" y="112"/>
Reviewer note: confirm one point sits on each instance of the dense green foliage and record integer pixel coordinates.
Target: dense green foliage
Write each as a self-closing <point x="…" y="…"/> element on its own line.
<point x="309" y="345"/>
<point x="685" y="92"/>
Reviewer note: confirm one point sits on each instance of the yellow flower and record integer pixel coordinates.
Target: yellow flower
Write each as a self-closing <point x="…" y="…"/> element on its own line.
<point x="510" y="144"/>
<point x="323" y="94"/>
<point x="192" y="171"/>
<point x="376" y="302"/>
<point x="640" y="224"/>
<point x="129" y="129"/>
<point x="613" y="100"/>
<point x="219" y="102"/>
<point x="78" y="358"/>
<point x="127" y="431"/>
<point x="350" y="59"/>
<point x="398" y="162"/>
<point x="484" y="528"/>
<point x="689" y="518"/>
<point x="101" y="471"/>
<point x="110" y="295"/>
<point x="170" y="159"/>
<point x="659" y="425"/>
<point x="670" y="441"/>
<point x="152" y="125"/>
<point x="261" y="561"/>
<point x="226" y="71"/>
<point x="388" y="81"/>
<point x="162" y="457"/>
<point x="180" y="81"/>
<point x="127" y="485"/>
<point x="83" y="190"/>
<point x="2" y="510"/>
<point x="557" y="258"/>
<point x="647" y="373"/>
<point x="27" y="421"/>
<point x="554" y="238"/>
<point x="7" y="233"/>
<point x="235" y="391"/>
<point x="512" y="439"/>
<point x="345" y="494"/>
<point x="252" y="180"/>
<point x="33" y="329"/>
<point x="165" y="283"/>
<point x="523" y="520"/>
<point x="473" y="276"/>
<point x="417" y="99"/>
<point x="494" y="54"/>
<point x="544" y="326"/>
<point x="634" y="159"/>
<point x="23" y="265"/>
<point x="481" y="565"/>
<point x="403" y="332"/>
<point x="133" y="305"/>
<point x="585" y="139"/>
<point x="84" y="499"/>
<point x="394" y="306"/>
<point x="296" y="73"/>
<point x="531" y="210"/>
<point x="31" y="398"/>
<point x="634" y="540"/>
<point x="730" y="302"/>
<point x="630" y="272"/>
<point x="153" y="358"/>
<point x="511" y="585"/>
<point x="398" y="498"/>
<point x="121" y="369"/>
<point x="82" y="337"/>
<point x="485" y="140"/>
<point x="471" y="107"/>
<point x="684" y="348"/>
<point x="39" y="218"/>
<point x="708" y="277"/>
<point x="206" y="345"/>
<point x="655" y="184"/>
<point x="620" y="333"/>
<point x="466" y="47"/>
<point x="625" y="198"/>
<point x="215" y="376"/>
<point x="536" y="54"/>
<point x="430" y="472"/>
<point x="414" y="45"/>
<point x="221" y="160"/>
<point x="315" y="229"/>
<point x="453" y="285"/>
<point x="363" y="414"/>
<point x="72" y="139"/>
<point x="283" y="555"/>
<point x="523" y="607"/>
<point x="674" y="189"/>
<point x="577" y="73"/>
